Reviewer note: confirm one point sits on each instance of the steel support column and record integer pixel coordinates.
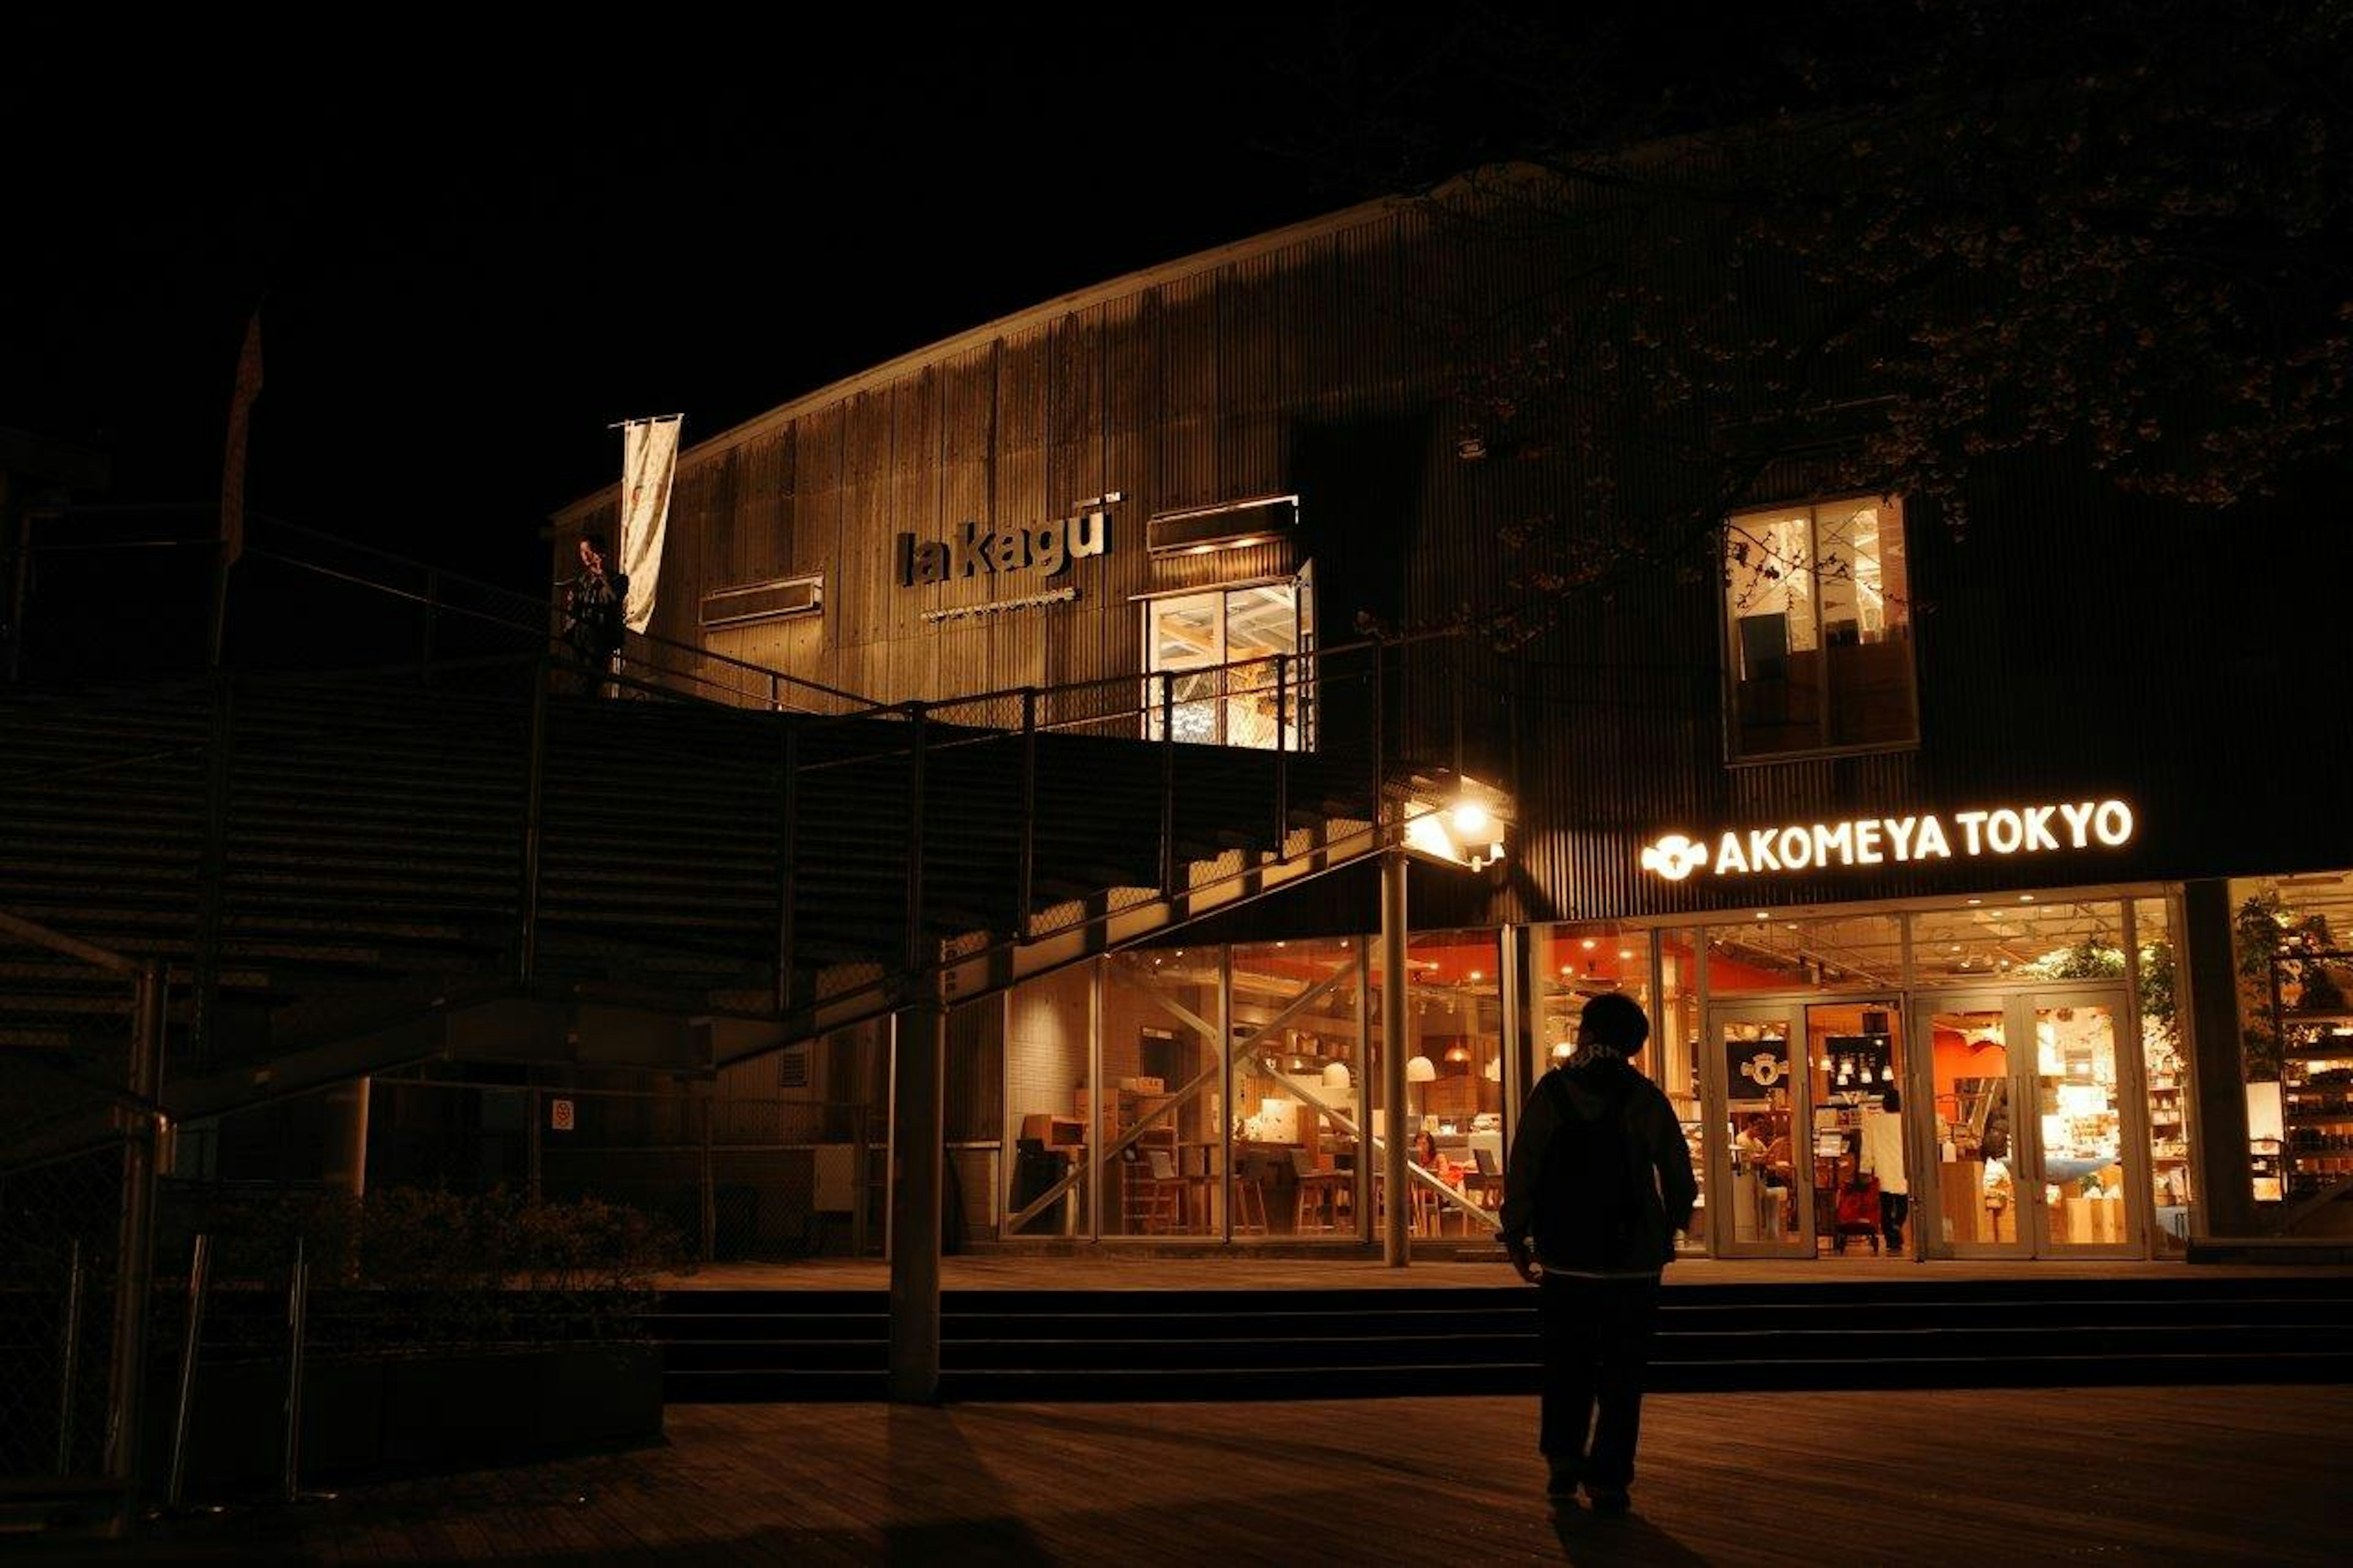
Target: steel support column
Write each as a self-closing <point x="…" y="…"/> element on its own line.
<point x="1394" y="1246"/>
<point x="2225" y="1195"/>
<point x="918" y="1145"/>
<point x="135" y="1244"/>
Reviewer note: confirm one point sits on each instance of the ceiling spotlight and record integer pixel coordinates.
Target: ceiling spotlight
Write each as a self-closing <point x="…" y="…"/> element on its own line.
<point x="1471" y="819"/>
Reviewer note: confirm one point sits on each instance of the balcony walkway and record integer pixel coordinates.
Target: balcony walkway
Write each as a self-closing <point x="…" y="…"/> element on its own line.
<point x="2125" y="1476"/>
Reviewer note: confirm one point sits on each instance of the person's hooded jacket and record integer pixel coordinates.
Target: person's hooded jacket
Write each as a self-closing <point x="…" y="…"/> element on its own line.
<point x="1592" y="1083"/>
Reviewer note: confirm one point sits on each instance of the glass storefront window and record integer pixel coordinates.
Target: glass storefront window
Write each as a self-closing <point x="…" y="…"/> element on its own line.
<point x="1817" y="627"/>
<point x="1233" y="657"/>
<point x="1299" y="1092"/>
<point x="2165" y="1071"/>
<point x="1674" y="1066"/>
<point x="1834" y="952"/>
<point x="1162" y="1134"/>
<point x="1455" y="1121"/>
<point x="2010" y="937"/>
<point x="2294" y="940"/>
<point x="1573" y="965"/>
<point x="1049" y="1109"/>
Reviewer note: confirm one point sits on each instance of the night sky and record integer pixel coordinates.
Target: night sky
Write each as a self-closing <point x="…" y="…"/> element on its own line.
<point x="474" y="251"/>
<point x="471" y="259"/>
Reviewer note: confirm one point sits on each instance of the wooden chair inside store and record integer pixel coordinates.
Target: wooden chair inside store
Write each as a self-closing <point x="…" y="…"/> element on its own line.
<point x="1320" y="1193"/>
<point x="1422" y="1206"/>
<point x="1487" y="1178"/>
<point x="1159" y="1191"/>
<point x="1250" y="1203"/>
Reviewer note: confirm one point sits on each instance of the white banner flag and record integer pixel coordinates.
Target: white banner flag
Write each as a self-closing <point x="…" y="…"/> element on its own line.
<point x="648" y="459"/>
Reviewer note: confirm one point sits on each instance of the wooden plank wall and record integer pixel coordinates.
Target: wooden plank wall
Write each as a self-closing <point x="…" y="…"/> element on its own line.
<point x="2067" y="647"/>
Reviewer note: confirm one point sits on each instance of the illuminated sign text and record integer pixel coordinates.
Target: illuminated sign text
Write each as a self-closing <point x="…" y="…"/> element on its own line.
<point x="1879" y="840"/>
<point x="976" y="550"/>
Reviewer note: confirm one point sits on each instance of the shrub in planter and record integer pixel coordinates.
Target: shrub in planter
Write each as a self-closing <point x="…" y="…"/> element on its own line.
<point x="444" y="1328"/>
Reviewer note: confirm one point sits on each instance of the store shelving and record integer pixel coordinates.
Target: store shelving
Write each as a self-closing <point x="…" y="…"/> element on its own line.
<point x="2316" y="1069"/>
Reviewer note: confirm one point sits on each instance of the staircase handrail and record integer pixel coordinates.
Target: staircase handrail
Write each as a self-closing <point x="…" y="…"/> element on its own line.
<point x="530" y="615"/>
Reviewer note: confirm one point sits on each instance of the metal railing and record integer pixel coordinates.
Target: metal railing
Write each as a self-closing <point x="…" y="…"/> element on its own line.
<point x="1372" y="710"/>
<point x="1344" y="729"/>
<point x="298" y="590"/>
<point x="79" y="1128"/>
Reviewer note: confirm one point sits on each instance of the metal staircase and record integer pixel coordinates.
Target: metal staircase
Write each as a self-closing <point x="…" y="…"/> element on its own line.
<point x="352" y="871"/>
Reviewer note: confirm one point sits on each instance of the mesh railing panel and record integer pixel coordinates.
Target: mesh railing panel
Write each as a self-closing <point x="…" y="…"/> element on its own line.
<point x="65" y="1049"/>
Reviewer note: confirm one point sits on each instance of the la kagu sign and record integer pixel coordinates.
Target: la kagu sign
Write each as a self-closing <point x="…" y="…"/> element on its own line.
<point x="977" y="549"/>
<point x="1997" y="832"/>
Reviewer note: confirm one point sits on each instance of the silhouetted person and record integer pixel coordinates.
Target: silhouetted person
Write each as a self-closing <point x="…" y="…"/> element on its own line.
<point x="1600" y="1180"/>
<point x="593" y="604"/>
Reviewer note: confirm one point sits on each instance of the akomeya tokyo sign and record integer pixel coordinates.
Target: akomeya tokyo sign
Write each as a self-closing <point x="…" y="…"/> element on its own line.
<point x="1878" y="840"/>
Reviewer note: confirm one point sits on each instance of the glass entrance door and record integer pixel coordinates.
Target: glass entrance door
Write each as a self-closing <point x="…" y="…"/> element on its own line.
<point x="1974" y="1194"/>
<point x="1857" y="1155"/>
<point x="2091" y="1176"/>
<point x="2027" y="1095"/>
<point x="1757" y="1085"/>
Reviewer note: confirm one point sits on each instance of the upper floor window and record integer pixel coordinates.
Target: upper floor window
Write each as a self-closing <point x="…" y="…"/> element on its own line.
<point x="1817" y="629"/>
<point x="1237" y="666"/>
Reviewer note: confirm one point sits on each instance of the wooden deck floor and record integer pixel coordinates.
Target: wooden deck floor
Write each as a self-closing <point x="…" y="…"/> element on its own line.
<point x="2122" y="1475"/>
<point x="1106" y="1270"/>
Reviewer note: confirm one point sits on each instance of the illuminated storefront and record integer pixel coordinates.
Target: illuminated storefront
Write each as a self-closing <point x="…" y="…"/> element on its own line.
<point x="1938" y="903"/>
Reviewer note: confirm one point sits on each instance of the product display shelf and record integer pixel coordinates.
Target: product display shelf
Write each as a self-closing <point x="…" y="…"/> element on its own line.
<point x="2314" y="1026"/>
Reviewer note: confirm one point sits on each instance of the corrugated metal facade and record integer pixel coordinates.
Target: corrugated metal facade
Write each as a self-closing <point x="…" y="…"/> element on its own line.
<point x="2076" y="645"/>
